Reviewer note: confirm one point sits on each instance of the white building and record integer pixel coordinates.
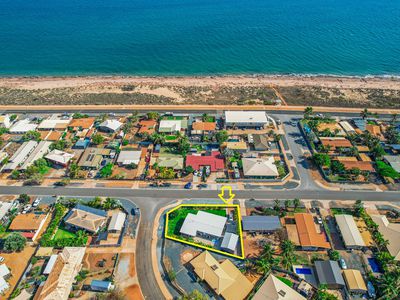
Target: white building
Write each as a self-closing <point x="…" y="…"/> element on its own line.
<point x="4" y="273"/>
<point x="4" y="209"/>
<point x="20" y="156"/>
<point x="348" y="228"/>
<point x="170" y="126"/>
<point x="117" y="221"/>
<point x="110" y="126"/>
<point x="391" y="232"/>
<point x="126" y="157"/>
<point x="229" y="242"/>
<point x="54" y="123"/>
<point x="275" y="289"/>
<point x="260" y="167"/>
<point x="5" y="121"/>
<point x="246" y="119"/>
<point x="203" y="224"/>
<point x="23" y="126"/>
<point x="59" y="157"/>
<point x="41" y="149"/>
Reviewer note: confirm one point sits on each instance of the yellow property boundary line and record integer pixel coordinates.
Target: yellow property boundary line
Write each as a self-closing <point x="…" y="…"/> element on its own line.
<point x="237" y="208"/>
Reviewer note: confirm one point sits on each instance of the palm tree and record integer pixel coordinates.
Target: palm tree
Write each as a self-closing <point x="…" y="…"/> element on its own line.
<point x="81" y="237"/>
<point x="263" y="266"/>
<point x="287" y="262"/>
<point x="393" y="119"/>
<point x="267" y="252"/>
<point x="287" y="203"/>
<point x="287" y="247"/>
<point x="248" y="266"/>
<point x="308" y="111"/>
<point x="365" y="113"/>
<point x="157" y="138"/>
<point x="277" y="205"/>
<point x="110" y="203"/>
<point x="296" y="203"/>
<point x="389" y="285"/>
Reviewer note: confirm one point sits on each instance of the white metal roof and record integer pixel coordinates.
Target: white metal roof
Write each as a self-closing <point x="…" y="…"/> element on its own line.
<point x="127" y="157"/>
<point x="4" y="271"/>
<point x="230" y="241"/>
<point x="22" y="126"/>
<point x="21" y="155"/>
<point x="59" y="156"/>
<point x="39" y="152"/>
<point x="203" y="222"/>
<point x="50" y="264"/>
<point x="111" y="124"/>
<point x="117" y="221"/>
<point x="394" y="161"/>
<point x="350" y="233"/>
<point x="346" y="126"/>
<point x="246" y="117"/>
<point x="3" y="285"/>
<point x="170" y="125"/>
<point x="53" y="123"/>
<point x="391" y="232"/>
<point x="259" y="167"/>
<point x="4" y="208"/>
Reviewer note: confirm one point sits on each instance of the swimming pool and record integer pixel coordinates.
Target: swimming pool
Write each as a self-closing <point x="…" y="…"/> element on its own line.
<point x="303" y="271"/>
<point x="374" y="265"/>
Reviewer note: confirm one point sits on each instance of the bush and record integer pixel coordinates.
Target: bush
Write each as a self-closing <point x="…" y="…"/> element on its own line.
<point x="386" y="171"/>
<point x="14" y="242"/>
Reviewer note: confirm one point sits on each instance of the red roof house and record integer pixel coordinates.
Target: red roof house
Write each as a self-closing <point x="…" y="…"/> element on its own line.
<point x="215" y="161"/>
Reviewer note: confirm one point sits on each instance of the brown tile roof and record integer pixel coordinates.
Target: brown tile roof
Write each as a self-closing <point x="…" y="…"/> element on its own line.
<point x="308" y="235"/>
<point x="147" y="126"/>
<point x="362" y="165"/>
<point x="43" y="134"/>
<point x="362" y="148"/>
<point x="204" y="126"/>
<point x="84" y="123"/>
<point x="27" y="222"/>
<point x="364" y="157"/>
<point x="86" y="220"/>
<point x="54" y="136"/>
<point x="336" y="142"/>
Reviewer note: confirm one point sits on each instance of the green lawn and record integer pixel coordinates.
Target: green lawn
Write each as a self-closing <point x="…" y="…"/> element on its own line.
<point x="339" y="211"/>
<point x="171" y="137"/>
<point x="209" y="119"/>
<point x="176" y="218"/>
<point x="285" y="281"/>
<point x="63" y="234"/>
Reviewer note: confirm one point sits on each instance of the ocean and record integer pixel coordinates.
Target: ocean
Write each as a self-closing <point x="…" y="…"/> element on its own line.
<point x="199" y="37"/>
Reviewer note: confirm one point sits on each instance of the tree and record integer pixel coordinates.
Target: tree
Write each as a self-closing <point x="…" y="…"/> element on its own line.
<point x="97" y="139"/>
<point x="296" y="203"/>
<point x="15" y="174"/>
<point x="222" y="136"/>
<point x="228" y="152"/>
<point x="393" y="118"/>
<point x="132" y="166"/>
<point x="386" y="170"/>
<point x="365" y="113"/>
<point x="31" y="135"/>
<point x="392" y="135"/>
<point x="23" y="199"/>
<point x="263" y="266"/>
<point x="358" y="208"/>
<point x="111" y="203"/>
<point x="194" y="295"/>
<point x="74" y="170"/>
<point x="60" y="145"/>
<point x="95" y="202"/>
<point x="288" y="258"/>
<point x="337" y="167"/>
<point x="158" y="138"/>
<point x="308" y="111"/>
<point x="322" y="160"/>
<point x="389" y="285"/>
<point x="152" y="115"/>
<point x="14" y="242"/>
<point x="322" y="294"/>
<point x="287" y="204"/>
<point x="267" y="252"/>
<point x="334" y="255"/>
<point x="106" y="171"/>
<point x="183" y="145"/>
<point x="277" y="205"/>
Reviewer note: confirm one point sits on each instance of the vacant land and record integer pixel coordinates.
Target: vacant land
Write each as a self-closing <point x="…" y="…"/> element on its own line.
<point x="229" y="90"/>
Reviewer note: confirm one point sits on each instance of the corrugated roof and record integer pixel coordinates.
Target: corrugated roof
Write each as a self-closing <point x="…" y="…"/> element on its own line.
<point x="308" y="235"/>
<point x="328" y="272"/>
<point x="261" y="223"/>
<point x="350" y="233"/>
<point x="203" y="222"/>
<point x="354" y="280"/>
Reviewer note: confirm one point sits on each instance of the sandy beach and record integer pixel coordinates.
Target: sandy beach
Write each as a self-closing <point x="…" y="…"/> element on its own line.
<point x="392" y="83"/>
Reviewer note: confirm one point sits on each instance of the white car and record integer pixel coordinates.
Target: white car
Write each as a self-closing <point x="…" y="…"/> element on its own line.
<point x="27" y="208"/>
<point x="36" y="202"/>
<point x="342" y="264"/>
<point x="1" y="259"/>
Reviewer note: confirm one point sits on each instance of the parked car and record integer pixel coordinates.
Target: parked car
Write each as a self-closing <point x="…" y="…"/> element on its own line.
<point x="319" y="220"/>
<point x="1" y="259"/>
<point x="188" y="186"/>
<point x="27" y="208"/>
<point x="278" y="122"/>
<point x="342" y="264"/>
<point x="202" y="185"/>
<point x="166" y="184"/>
<point x="36" y="202"/>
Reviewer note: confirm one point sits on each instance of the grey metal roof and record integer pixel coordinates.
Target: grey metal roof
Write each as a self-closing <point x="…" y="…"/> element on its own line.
<point x="261" y="223"/>
<point x="328" y="272"/>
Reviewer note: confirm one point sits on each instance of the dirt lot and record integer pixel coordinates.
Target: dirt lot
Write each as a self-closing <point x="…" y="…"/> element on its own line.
<point x="133" y="292"/>
<point x="17" y="263"/>
<point x="91" y="261"/>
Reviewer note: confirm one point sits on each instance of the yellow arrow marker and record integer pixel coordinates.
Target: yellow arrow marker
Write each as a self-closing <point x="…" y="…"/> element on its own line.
<point x="230" y="195"/>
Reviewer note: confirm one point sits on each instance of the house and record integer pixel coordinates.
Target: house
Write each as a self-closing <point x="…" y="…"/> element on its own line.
<point x="390" y="232"/>
<point x="92" y="157"/>
<point x="224" y="278"/>
<point x="117" y="222"/>
<point x="261" y="223"/>
<point x="335" y="142"/>
<point x="59" y="283"/>
<point x="170" y="161"/>
<point x="59" y="158"/>
<point x="170" y="126"/>
<point x="375" y="130"/>
<point x="54" y="123"/>
<point x="307" y="236"/>
<point x="200" y="128"/>
<point x="81" y="124"/>
<point x="82" y="144"/>
<point x="5" y="208"/>
<point x="3" y="285"/>
<point x="260" y="142"/>
<point x="41" y="149"/>
<point x="101" y="285"/>
<point x="259" y="167"/>
<point x="361" y="165"/>
<point x="203" y="224"/>
<point x="127" y="157"/>
<point x="53" y="136"/>
<point x="28" y="224"/>
<point x="360" y="123"/>
<point x="20" y="156"/>
<point x="23" y="126"/>
<point x="5" y="121"/>
<point x="147" y="127"/>
<point x="393" y="161"/>
<point x="347" y="127"/>
<point x="229" y="242"/>
<point x="275" y="289"/>
<point x="350" y="234"/>
<point x="214" y="160"/>
<point x="4" y="271"/>
<point x="246" y="119"/>
<point x="110" y="126"/>
<point x="355" y="282"/>
<point x="86" y="218"/>
<point x="329" y="273"/>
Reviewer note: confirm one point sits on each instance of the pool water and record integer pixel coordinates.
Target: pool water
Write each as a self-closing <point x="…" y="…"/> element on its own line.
<point x="303" y="271"/>
<point x="374" y="265"/>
